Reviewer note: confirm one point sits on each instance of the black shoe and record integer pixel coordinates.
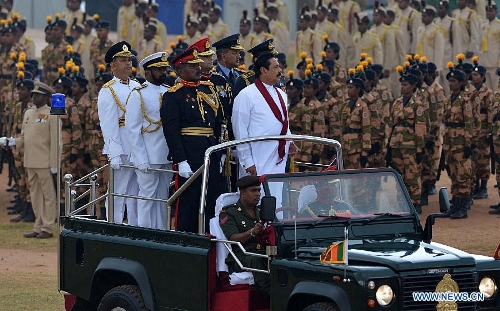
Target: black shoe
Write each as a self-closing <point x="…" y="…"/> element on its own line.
<point x="453" y="207"/>
<point x="30" y="215"/>
<point x="424" y="199"/>
<point x="13" y="207"/>
<point x="495" y="186"/>
<point x="481" y="194"/>
<point x="461" y="212"/>
<point x="13" y="212"/>
<point x="495" y="206"/>
<point x="494" y="212"/>
<point x="14" y="200"/>
<point x="11" y="189"/>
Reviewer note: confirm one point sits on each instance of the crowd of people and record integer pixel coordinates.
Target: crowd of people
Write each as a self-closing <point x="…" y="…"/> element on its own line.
<point x="417" y="92"/>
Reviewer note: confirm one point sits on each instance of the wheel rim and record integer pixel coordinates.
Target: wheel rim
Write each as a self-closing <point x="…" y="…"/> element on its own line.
<point x="118" y="309"/>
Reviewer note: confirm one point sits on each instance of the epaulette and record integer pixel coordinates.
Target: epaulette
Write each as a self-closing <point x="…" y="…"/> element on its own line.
<point x="175" y="87"/>
<point x="134" y="79"/>
<point x="248" y="74"/>
<point x="140" y="86"/>
<point x="109" y="83"/>
<point x="240" y="70"/>
<point x="206" y="83"/>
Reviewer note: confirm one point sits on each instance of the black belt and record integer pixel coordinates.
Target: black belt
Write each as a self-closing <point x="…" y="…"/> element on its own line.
<point x="97" y="127"/>
<point x="5" y="76"/>
<point x="18" y="131"/>
<point x="66" y="127"/>
<point x="483" y="110"/>
<point x="454" y="124"/>
<point x="352" y="131"/>
<point x="404" y="123"/>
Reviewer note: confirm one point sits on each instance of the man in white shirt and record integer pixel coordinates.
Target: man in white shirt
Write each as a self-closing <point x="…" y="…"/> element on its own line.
<point x="260" y="110"/>
<point x="111" y="106"/>
<point x="148" y="146"/>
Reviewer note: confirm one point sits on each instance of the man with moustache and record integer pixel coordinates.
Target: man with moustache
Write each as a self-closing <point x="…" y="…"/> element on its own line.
<point x="228" y="57"/>
<point x="191" y="116"/>
<point x="148" y="146"/>
<point x="111" y="104"/>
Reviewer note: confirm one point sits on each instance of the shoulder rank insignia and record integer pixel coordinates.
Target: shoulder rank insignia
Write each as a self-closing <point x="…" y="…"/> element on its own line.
<point x="175" y="87"/>
<point x="248" y="74"/>
<point x="109" y="83"/>
<point x="206" y="83"/>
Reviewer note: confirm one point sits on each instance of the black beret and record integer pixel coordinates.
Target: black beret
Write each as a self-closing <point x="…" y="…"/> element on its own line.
<point x="431" y="67"/>
<point x="325" y="77"/>
<point x="329" y="63"/>
<point x="423" y="67"/>
<point x="281" y="57"/>
<point x="26" y="83"/>
<point x="60" y="23"/>
<point x="298" y="83"/>
<point x="480" y="69"/>
<point x="456" y="74"/>
<point x="332" y="45"/>
<point x="105" y="77"/>
<point x="264" y="47"/>
<point x="370" y="74"/>
<point x="64" y="81"/>
<point x="414" y="71"/>
<point x="378" y="68"/>
<point x="248" y="181"/>
<point x="465" y="67"/>
<point x="356" y="82"/>
<point x="311" y="81"/>
<point x="410" y="78"/>
<point x="81" y="81"/>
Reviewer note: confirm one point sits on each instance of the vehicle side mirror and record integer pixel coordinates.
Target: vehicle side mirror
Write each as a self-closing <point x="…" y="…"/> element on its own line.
<point x="429" y="222"/>
<point x="267" y="208"/>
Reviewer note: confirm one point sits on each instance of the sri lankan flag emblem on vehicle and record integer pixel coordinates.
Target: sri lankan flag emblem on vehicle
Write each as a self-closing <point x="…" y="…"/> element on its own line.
<point x="335" y="253"/>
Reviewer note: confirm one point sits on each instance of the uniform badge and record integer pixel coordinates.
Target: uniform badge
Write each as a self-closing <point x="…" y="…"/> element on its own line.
<point x="239" y="209"/>
<point x="365" y="115"/>
<point x="335" y="109"/>
<point x="379" y="105"/>
<point x="341" y="75"/>
<point x="321" y="114"/>
<point x="477" y="100"/>
<point x="426" y="105"/>
<point x="207" y="44"/>
<point x="440" y="97"/>
<point x="384" y="96"/>
<point x="468" y="107"/>
<point x="222" y="93"/>
<point x="373" y="107"/>
<point x="433" y="99"/>
<point x="125" y="48"/>
<point x="419" y="112"/>
<point x="308" y="118"/>
<point x="339" y="93"/>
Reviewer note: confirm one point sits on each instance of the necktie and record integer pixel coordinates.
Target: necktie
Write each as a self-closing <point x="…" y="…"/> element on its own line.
<point x="231" y="77"/>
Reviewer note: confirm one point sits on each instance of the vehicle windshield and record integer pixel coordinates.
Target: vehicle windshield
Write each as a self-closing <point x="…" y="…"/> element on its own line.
<point x="360" y="194"/>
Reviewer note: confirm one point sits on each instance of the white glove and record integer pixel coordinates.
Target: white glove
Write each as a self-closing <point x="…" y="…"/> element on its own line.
<point x="3" y="140"/>
<point x="185" y="170"/>
<point x="12" y="141"/>
<point x="53" y="170"/>
<point x="116" y="163"/>
<point x="144" y="167"/>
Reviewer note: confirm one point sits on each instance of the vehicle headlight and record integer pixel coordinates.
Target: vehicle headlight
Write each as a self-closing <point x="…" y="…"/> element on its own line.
<point x="488" y="287"/>
<point x="384" y="295"/>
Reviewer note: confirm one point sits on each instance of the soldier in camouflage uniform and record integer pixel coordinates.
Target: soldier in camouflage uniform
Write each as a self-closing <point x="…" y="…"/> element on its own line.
<point x="71" y="131"/>
<point x="434" y="137"/>
<point x="458" y="120"/>
<point x="407" y="129"/>
<point x="328" y="102"/>
<point x="94" y="143"/>
<point x="101" y="44"/>
<point x="53" y="53"/>
<point x="83" y="103"/>
<point x="294" y="89"/>
<point x="386" y="97"/>
<point x="483" y="97"/>
<point x="495" y="135"/>
<point x="374" y="103"/>
<point x="310" y="153"/>
<point x="355" y="126"/>
<point x="25" y="210"/>
<point x="299" y="118"/>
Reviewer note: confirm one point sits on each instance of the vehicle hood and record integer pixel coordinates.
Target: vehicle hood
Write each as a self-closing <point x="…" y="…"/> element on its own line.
<point x="399" y="255"/>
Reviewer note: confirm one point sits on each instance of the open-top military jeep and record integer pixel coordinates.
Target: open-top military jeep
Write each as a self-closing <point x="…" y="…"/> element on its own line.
<point x="390" y="262"/>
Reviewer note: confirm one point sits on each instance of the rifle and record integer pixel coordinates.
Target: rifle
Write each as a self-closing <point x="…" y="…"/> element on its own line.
<point x="494" y="159"/>
<point x="443" y="165"/>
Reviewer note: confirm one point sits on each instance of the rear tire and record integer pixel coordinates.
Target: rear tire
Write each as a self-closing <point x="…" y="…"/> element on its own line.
<point x="322" y="306"/>
<point x="122" y="298"/>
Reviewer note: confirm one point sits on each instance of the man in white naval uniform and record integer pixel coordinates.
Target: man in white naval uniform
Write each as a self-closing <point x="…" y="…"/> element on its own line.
<point x="148" y="146"/>
<point x="111" y="104"/>
<point x="260" y="110"/>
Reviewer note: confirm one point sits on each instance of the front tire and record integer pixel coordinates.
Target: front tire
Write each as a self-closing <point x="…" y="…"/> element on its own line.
<point x="122" y="298"/>
<point x="322" y="306"/>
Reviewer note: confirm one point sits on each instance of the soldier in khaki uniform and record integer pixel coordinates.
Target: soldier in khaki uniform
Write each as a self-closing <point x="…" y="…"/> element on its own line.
<point x="450" y="30"/>
<point x="191" y="35"/>
<point x="458" y="120"/>
<point x="490" y="45"/>
<point x="399" y="52"/>
<point x="240" y="223"/>
<point x="261" y="27"/>
<point x="355" y="125"/>
<point x="366" y="41"/>
<point x="126" y="15"/>
<point x="408" y="20"/>
<point x="347" y="20"/>
<point x="81" y="47"/>
<point x="278" y="30"/>
<point x="346" y="56"/>
<point x="282" y="9"/>
<point x="39" y="135"/>
<point x="217" y="28"/>
<point x="247" y="39"/>
<point x="137" y="26"/>
<point x="434" y="137"/>
<point x="406" y="133"/>
<point x="430" y="39"/>
<point x="470" y="29"/>
<point x="100" y="45"/>
<point x="27" y="44"/>
<point x="324" y="26"/>
<point x="150" y="43"/>
<point x="387" y="40"/>
<point x="307" y="40"/>
<point x="71" y="12"/>
<point x="53" y="54"/>
<point x="161" y="29"/>
<point x="87" y="34"/>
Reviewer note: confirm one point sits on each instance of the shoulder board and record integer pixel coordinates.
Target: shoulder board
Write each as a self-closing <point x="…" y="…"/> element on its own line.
<point x="140" y="86"/>
<point x="248" y="74"/>
<point x="206" y="83"/>
<point x="175" y="88"/>
<point x="109" y="83"/>
<point x="240" y="70"/>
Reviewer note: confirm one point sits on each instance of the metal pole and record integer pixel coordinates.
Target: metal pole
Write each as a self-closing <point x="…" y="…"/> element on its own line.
<point x="69" y="197"/>
<point x="111" y="190"/>
<point x="93" y="183"/>
<point x="58" y="161"/>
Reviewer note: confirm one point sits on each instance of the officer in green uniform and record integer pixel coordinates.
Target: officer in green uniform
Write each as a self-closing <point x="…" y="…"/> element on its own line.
<point x="240" y="223"/>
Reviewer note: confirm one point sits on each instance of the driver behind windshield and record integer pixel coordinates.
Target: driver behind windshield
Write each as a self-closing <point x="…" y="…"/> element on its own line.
<point x="327" y="202"/>
<point x="240" y="222"/>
